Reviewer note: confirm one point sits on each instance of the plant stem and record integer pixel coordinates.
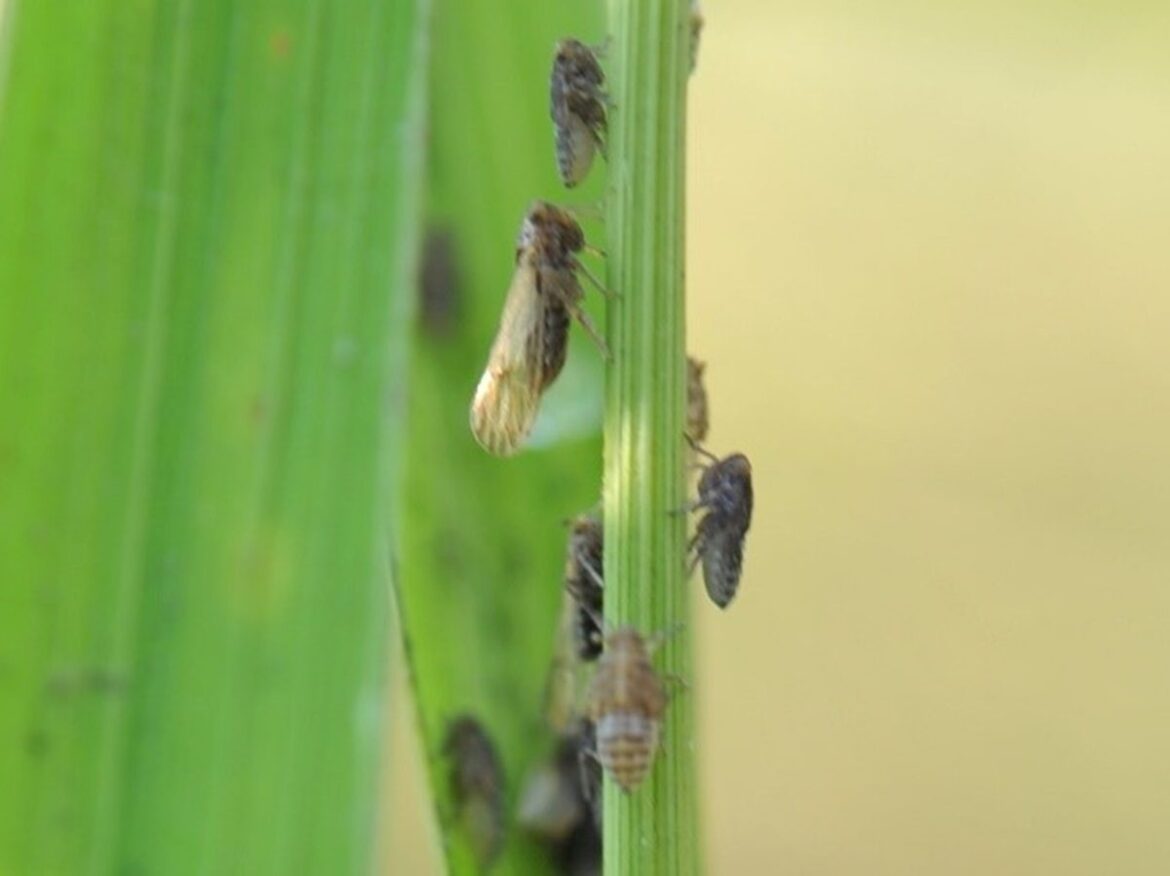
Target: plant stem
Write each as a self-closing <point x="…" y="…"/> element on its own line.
<point x="654" y="829"/>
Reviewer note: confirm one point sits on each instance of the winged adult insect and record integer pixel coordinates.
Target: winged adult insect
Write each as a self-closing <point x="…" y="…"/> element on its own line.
<point x="725" y="494"/>
<point x="532" y="340"/>
<point x="577" y="105"/>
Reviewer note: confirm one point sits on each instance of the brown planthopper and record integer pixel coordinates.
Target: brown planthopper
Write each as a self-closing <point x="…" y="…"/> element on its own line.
<point x="532" y="340"/>
<point x="626" y="703"/>
<point x="577" y="105"/>
<point x="725" y="493"/>
<point x="584" y="583"/>
<point x="697" y="410"/>
<point x="477" y="785"/>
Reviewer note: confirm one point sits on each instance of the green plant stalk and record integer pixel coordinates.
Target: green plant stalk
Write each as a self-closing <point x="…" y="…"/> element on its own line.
<point x="653" y="830"/>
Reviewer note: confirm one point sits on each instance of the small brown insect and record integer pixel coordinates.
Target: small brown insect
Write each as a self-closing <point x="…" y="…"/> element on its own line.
<point x="532" y="340"/>
<point x="725" y="491"/>
<point x="477" y="785"/>
<point x="577" y="106"/>
<point x="697" y="417"/>
<point x="626" y="702"/>
<point x="584" y="583"/>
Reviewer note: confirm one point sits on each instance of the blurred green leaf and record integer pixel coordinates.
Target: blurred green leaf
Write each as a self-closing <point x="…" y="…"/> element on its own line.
<point x="206" y="253"/>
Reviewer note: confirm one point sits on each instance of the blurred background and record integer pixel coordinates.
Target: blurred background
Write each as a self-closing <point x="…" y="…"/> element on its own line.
<point x="929" y="267"/>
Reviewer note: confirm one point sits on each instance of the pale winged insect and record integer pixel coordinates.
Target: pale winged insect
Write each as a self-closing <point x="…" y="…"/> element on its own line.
<point x="532" y="340"/>
<point x="626" y="703"/>
<point x="477" y="785"/>
<point x="584" y="583"/>
<point x="725" y="492"/>
<point x="697" y="409"/>
<point x="577" y="106"/>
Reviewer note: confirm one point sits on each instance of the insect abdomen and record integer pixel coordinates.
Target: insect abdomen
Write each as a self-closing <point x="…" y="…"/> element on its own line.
<point x="626" y="744"/>
<point x="575" y="146"/>
<point x="722" y="553"/>
<point x="555" y="346"/>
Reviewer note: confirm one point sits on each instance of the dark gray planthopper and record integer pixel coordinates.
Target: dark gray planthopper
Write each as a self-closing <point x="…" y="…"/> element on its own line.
<point x="577" y="103"/>
<point x="725" y="493"/>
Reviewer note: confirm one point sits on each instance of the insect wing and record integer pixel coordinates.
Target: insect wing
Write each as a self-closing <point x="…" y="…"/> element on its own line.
<point x="576" y="145"/>
<point x="722" y="555"/>
<point x="508" y="395"/>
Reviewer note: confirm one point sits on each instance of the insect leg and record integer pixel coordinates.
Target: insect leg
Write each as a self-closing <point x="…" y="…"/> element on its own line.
<point x="700" y="449"/>
<point x="695" y="542"/>
<point x="676" y="680"/>
<point x="598" y="620"/>
<point x="593" y="573"/>
<point x="694" y="505"/>
<point x="608" y="293"/>
<point x="586" y="323"/>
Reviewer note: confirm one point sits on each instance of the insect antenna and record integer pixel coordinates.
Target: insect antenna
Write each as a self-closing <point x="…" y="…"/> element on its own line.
<point x="601" y="287"/>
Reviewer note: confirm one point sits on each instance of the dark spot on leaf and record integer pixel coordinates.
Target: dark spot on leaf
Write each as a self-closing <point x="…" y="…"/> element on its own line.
<point x="439" y="283"/>
<point x="36" y="743"/>
<point x="280" y="44"/>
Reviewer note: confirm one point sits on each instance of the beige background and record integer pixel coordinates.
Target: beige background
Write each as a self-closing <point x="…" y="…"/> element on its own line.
<point x="929" y="264"/>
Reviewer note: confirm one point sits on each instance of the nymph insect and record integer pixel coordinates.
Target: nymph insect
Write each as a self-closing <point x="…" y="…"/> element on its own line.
<point x="477" y="785"/>
<point x="697" y="418"/>
<point x="725" y="491"/>
<point x="531" y="343"/>
<point x="626" y="702"/>
<point x="577" y="106"/>
<point x="583" y="581"/>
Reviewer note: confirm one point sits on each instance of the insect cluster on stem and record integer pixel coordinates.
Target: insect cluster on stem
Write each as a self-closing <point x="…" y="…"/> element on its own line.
<point x="617" y="728"/>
